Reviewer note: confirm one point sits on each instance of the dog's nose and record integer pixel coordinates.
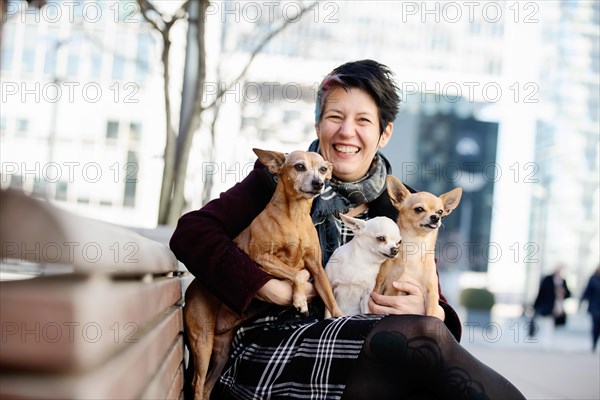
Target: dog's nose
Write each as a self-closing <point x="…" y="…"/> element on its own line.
<point x="394" y="251"/>
<point x="317" y="184"/>
<point x="434" y="218"/>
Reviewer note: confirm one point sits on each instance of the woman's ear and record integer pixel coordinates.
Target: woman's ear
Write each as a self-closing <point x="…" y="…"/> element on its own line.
<point x="317" y="130"/>
<point x="386" y="135"/>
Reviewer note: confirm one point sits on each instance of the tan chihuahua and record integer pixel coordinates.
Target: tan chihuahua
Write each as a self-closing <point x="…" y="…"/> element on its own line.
<point x="283" y="241"/>
<point x="420" y="217"/>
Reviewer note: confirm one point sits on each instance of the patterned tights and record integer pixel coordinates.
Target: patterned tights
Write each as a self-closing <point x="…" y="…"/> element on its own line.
<point x="416" y="357"/>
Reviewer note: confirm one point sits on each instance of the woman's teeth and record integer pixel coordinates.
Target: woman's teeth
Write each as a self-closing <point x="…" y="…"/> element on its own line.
<point x="346" y="149"/>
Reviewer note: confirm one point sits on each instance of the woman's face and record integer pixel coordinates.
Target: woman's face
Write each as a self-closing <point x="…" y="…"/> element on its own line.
<point x="349" y="132"/>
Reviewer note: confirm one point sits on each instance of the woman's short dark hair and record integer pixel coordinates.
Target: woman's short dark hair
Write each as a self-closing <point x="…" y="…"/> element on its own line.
<point x="371" y="76"/>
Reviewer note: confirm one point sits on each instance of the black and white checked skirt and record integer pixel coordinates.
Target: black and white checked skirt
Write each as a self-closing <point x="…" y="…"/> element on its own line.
<point x="294" y="359"/>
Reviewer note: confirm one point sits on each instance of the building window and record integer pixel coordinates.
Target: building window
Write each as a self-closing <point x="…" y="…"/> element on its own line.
<point x="39" y="186"/>
<point x="131" y="179"/>
<point x="50" y="61"/>
<point x="96" y="63"/>
<point x="144" y="51"/>
<point x="2" y="126"/>
<point x="22" y="127"/>
<point x="61" y="191"/>
<point x="52" y="44"/>
<point x="135" y="132"/>
<point x="16" y="182"/>
<point x="118" y="70"/>
<point x="7" y="46"/>
<point x="28" y="58"/>
<point x="112" y="130"/>
<point x="593" y="103"/>
<point x="73" y="62"/>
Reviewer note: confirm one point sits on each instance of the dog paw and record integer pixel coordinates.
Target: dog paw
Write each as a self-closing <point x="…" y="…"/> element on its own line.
<point x="337" y="313"/>
<point x="301" y="303"/>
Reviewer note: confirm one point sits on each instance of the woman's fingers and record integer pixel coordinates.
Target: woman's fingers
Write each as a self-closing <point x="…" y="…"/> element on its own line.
<point x="410" y="303"/>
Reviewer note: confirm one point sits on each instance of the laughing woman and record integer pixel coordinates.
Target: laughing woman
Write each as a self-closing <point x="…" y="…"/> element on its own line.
<point x="393" y="353"/>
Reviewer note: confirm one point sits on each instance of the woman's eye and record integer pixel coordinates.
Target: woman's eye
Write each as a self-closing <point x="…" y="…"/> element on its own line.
<point x="300" y="167"/>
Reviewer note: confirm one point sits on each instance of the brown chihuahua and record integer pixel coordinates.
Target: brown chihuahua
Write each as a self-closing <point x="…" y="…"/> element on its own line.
<point x="420" y="217"/>
<point x="283" y="241"/>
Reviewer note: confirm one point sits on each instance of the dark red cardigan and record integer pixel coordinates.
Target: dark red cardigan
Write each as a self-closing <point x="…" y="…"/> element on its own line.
<point x="203" y="242"/>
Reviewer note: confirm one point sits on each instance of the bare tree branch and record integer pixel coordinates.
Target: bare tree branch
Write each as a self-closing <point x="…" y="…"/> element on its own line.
<point x="145" y="8"/>
<point x="178" y="144"/>
<point x="256" y="51"/>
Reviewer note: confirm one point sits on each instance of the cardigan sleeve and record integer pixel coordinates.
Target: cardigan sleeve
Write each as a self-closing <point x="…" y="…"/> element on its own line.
<point x="452" y="320"/>
<point x="203" y="241"/>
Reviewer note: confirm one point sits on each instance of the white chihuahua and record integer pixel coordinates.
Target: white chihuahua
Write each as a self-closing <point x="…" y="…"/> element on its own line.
<point x="353" y="267"/>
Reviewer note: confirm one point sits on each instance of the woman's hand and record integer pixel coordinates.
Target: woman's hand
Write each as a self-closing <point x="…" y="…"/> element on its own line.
<point x="280" y="292"/>
<point x="412" y="303"/>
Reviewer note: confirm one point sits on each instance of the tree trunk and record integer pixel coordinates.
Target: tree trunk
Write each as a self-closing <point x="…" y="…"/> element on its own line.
<point x="208" y="178"/>
<point x="170" y="145"/>
<point x="172" y="194"/>
<point x="184" y="145"/>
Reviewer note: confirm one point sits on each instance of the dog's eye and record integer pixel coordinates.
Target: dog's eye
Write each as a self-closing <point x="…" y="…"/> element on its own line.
<point x="323" y="170"/>
<point x="419" y="210"/>
<point x="381" y="239"/>
<point x="300" y="167"/>
<point x="439" y="212"/>
<point x="399" y="243"/>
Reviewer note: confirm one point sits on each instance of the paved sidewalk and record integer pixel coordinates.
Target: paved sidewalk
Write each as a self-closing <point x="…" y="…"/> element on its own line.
<point x="552" y="365"/>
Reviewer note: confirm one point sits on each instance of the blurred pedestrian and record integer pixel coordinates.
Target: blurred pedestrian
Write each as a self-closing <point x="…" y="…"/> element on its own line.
<point x="592" y="295"/>
<point x="550" y="299"/>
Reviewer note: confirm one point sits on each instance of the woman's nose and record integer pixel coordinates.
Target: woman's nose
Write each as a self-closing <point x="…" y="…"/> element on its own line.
<point x="347" y="128"/>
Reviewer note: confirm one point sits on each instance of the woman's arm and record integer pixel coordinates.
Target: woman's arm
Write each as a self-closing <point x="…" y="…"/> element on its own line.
<point x="203" y="241"/>
<point x="280" y="291"/>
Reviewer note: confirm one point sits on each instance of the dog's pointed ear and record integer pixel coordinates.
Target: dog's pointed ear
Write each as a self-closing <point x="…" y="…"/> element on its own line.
<point x="353" y="223"/>
<point x="274" y="160"/>
<point x="396" y="189"/>
<point x="451" y="200"/>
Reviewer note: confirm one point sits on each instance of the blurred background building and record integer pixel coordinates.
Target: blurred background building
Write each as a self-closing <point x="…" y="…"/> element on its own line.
<point x="500" y="98"/>
<point x="82" y="109"/>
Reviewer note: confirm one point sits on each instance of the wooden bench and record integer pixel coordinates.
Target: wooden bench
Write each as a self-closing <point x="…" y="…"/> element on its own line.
<point x="105" y="324"/>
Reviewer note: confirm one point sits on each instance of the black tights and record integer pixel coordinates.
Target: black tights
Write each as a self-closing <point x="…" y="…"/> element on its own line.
<point x="416" y="357"/>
